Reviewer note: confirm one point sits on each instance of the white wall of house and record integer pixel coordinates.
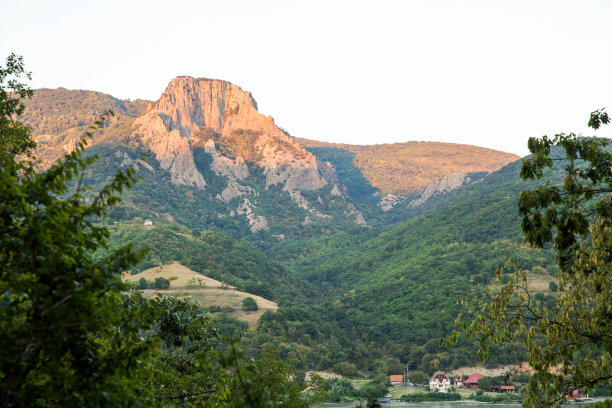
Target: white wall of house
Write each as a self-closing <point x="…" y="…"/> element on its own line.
<point x="439" y="384"/>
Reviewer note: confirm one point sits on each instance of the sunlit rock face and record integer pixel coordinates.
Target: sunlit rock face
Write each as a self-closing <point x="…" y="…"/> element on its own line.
<point x="223" y="120"/>
<point x="192" y="109"/>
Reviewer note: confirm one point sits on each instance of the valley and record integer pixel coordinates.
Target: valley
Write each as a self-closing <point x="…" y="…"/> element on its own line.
<point x="355" y="255"/>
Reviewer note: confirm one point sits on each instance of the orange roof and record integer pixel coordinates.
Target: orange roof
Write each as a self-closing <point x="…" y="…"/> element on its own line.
<point x="507" y="387"/>
<point x="396" y="378"/>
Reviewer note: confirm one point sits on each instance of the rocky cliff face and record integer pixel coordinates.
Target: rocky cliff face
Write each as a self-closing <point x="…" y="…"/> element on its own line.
<point x="445" y="184"/>
<point x="223" y="119"/>
<point x="199" y="110"/>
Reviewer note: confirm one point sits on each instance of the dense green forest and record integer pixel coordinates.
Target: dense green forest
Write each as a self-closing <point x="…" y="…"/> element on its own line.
<point x="393" y="294"/>
<point x="353" y="301"/>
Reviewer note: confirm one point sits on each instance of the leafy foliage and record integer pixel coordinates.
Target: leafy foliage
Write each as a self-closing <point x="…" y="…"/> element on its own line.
<point x="69" y="335"/>
<point x="62" y="320"/>
<point x="249" y="304"/>
<point x="393" y="294"/>
<point x="569" y="340"/>
<point x="198" y="367"/>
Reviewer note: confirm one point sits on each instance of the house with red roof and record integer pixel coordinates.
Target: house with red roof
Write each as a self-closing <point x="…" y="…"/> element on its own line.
<point x="439" y="382"/>
<point x="458" y="381"/>
<point x="577" y="395"/>
<point x="396" y="379"/>
<point x="472" y="381"/>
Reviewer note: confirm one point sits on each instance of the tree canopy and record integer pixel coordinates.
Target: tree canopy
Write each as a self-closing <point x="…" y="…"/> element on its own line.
<point x="569" y="342"/>
<point x="72" y="334"/>
<point x="65" y="337"/>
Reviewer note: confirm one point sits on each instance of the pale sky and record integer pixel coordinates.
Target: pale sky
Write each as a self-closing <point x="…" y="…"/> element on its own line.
<point x="487" y="73"/>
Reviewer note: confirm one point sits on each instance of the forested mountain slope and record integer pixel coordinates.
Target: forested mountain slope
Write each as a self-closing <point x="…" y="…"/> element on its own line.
<point x="395" y="293"/>
<point x="213" y="254"/>
<point x="204" y="139"/>
<point x="236" y="198"/>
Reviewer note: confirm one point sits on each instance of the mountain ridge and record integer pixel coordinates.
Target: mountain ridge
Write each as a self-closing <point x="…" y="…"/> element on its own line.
<point x="409" y="167"/>
<point x="208" y="134"/>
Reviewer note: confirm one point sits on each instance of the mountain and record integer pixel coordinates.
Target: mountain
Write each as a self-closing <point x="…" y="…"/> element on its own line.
<point x="207" y="135"/>
<point x="59" y="118"/>
<point x="395" y="292"/>
<point x="407" y="168"/>
<point x="212" y="114"/>
<point x="236" y="198"/>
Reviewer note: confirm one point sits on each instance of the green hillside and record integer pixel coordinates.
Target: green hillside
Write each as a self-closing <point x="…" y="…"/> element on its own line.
<point x="214" y="254"/>
<point x="59" y="116"/>
<point x="196" y="208"/>
<point x="395" y="294"/>
<point x="351" y="298"/>
<point x="346" y="294"/>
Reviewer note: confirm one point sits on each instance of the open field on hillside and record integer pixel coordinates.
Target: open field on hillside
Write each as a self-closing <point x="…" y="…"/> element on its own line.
<point x="185" y="282"/>
<point x="536" y="283"/>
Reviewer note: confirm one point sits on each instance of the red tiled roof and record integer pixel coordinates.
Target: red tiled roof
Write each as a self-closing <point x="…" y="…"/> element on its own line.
<point x="436" y="374"/>
<point x="473" y="379"/>
<point x="396" y="378"/>
<point x="507" y="387"/>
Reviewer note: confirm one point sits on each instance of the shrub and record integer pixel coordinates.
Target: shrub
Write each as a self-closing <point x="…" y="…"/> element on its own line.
<point x="161" y="283"/>
<point x="249" y="304"/>
<point x="418" y="377"/>
<point x="346" y="369"/>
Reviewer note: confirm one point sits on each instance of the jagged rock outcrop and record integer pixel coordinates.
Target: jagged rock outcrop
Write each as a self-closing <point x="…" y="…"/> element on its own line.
<point x="223" y="120"/>
<point x="191" y="107"/>
<point x="445" y="184"/>
<point x="256" y="222"/>
<point x="388" y="202"/>
<point x="224" y="166"/>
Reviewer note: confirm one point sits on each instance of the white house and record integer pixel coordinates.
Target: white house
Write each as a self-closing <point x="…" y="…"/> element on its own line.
<point x="148" y="222"/>
<point x="439" y="382"/>
<point x="458" y="381"/>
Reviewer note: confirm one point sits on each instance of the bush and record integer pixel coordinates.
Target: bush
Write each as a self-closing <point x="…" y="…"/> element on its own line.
<point x="376" y="388"/>
<point x="161" y="283"/>
<point x="553" y="287"/>
<point x="432" y="396"/>
<point x="485" y="383"/>
<point x="346" y="369"/>
<point x="342" y="390"/>
<point x="418" y="377"/>
<point x="249" y="304"/>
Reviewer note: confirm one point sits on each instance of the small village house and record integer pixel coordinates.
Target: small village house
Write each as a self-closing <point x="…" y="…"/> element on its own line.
<point x="472" y="381"/>
<point x="396" y="379"/>
<point x="458" y="381"/>
<point x="439" y="382"/>
<point x="148" y="223"/>
<point x="507" y="388"/>
<point x="577" y="395"/>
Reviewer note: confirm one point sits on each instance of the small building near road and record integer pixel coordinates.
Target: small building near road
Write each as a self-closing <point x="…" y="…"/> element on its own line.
<point x="396" y="379"/>
<point x="458" y="381"/>
<point x="439" y="382"/>
<point x="577" y="395"/>
<point x="472" y="381"/>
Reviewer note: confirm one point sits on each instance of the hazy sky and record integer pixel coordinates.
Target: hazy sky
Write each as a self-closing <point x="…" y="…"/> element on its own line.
<point x="488" y="73"/>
